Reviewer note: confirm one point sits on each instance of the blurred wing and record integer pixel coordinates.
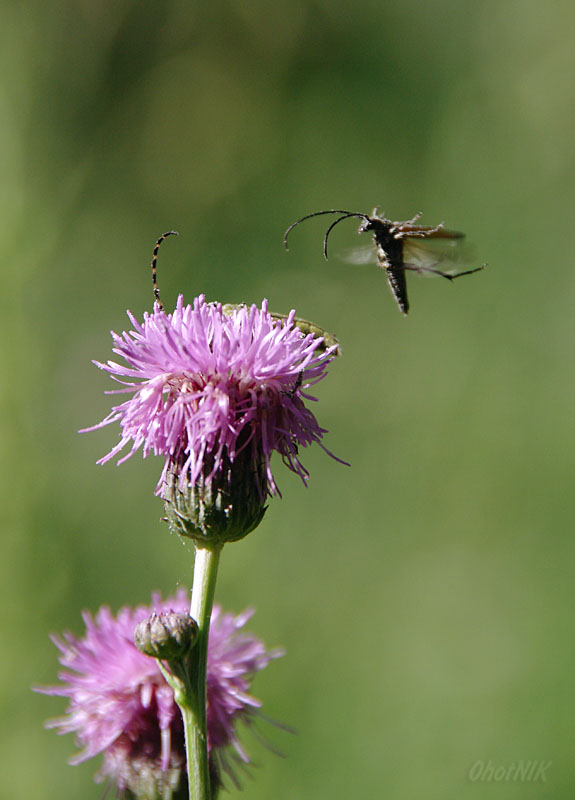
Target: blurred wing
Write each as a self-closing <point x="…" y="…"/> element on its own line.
<point x="364" y="254"/>
<point x="435" y="255"/>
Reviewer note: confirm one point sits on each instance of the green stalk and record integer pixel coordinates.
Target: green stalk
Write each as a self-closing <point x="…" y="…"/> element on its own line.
<point x="194" y="714"/>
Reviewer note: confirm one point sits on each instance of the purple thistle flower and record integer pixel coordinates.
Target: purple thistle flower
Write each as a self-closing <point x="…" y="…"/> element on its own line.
<point x="210" y="383"/>
<point x="121" y="706"/>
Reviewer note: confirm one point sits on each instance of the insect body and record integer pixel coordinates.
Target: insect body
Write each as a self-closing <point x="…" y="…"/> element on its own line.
<point x="304" y="325"/>
<point x="399" y="247"/>
<point x="307" y="327"/>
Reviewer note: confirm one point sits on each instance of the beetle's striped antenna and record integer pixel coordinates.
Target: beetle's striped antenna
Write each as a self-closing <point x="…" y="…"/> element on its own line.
<point x="346" y="214"/>
<point x="154" y="266"/>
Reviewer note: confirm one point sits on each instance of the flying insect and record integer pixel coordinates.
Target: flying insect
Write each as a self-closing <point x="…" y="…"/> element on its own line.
<point x="402" y="246"/>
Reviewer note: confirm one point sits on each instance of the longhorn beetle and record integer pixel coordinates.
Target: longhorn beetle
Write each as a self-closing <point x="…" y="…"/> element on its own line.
<point x="399" y="247"/>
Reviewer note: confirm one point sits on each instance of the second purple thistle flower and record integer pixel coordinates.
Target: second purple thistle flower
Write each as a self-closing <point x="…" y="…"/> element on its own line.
<point x="212" y="386"/>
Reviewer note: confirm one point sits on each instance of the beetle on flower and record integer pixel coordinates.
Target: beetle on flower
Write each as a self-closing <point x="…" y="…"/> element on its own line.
<point x="215" y="391"/>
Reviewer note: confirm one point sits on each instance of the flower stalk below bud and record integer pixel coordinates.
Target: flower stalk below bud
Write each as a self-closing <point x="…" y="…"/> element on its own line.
<point x="194" y="711"/>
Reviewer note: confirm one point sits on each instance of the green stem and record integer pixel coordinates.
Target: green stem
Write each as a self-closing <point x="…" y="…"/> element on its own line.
<point x="195" y="720"/>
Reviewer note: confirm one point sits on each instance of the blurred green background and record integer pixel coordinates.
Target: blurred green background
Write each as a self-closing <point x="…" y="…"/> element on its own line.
<point x="425" y="594"/>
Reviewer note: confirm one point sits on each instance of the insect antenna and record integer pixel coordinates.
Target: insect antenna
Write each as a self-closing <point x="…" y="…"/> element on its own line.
<point x="297" y="385"/>
<point x="318" y="214"/>
<point x="347" y="215"/>
<point x="154" y="267"/>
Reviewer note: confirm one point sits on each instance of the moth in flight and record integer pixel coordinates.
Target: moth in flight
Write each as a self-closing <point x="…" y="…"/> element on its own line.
<point x="402" y="246"/>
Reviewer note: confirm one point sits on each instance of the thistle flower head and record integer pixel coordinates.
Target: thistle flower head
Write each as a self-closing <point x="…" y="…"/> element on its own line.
<point x="216" y="391"/>
<point x="207" y="384"/>
<point x="121" y="706"/>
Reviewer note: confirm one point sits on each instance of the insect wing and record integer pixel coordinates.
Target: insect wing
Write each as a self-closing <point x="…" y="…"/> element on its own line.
<point x="364" y="254"/>
<point x="449" y="256"/>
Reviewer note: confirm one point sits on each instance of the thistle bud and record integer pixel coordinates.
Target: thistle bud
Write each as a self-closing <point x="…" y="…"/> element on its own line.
<point x="168" y="636"/>
<point x="218" y="508"/>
